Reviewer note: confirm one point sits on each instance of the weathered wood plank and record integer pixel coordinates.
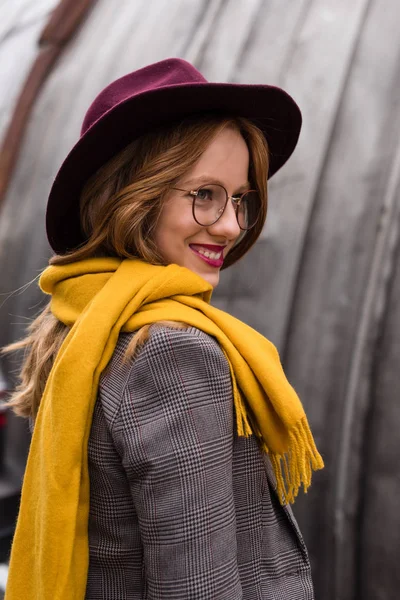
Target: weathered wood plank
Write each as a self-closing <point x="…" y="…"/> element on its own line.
<point x="315" y="72"/>
<point x="18" y="15"/>
<point x="358" y="401"/>
<point x="269" y="45"/>
<point x="333" y="328"/>
<point x="379" y="541"/>
<point x="62" y="24"/>
<point x="224" y="41"/>
<point x="238" y="290"/>
<point x="20" y="25"/>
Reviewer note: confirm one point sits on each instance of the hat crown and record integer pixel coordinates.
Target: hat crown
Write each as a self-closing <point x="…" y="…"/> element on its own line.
<point x="163" y="74"/>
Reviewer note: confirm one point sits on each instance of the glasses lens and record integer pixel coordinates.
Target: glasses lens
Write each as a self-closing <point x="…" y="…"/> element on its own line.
<point x="248" y="210"/>
<point x="209" y="204"/>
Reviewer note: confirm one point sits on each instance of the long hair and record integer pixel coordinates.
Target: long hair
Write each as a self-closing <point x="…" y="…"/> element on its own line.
<point x="119" y="209"/>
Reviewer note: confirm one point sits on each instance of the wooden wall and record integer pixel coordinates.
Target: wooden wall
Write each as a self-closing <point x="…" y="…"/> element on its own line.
<point x="323" y="282"/>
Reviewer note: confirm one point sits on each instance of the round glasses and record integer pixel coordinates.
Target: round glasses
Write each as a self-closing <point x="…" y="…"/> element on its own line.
<point x="210" y="200"/>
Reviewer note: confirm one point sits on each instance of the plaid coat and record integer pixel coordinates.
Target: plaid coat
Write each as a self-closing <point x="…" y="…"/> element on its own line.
<point x="180" y="507"/>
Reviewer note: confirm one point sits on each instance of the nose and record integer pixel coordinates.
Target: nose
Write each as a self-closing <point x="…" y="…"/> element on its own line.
<point x="227" y="225"/>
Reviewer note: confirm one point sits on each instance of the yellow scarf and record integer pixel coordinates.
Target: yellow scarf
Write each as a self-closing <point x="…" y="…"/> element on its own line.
<point x="99" y="298"/>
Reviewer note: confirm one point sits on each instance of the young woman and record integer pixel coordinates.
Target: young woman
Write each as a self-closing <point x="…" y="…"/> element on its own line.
<point x="167" y="441"/>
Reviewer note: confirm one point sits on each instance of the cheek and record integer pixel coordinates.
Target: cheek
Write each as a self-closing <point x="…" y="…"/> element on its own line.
<point x="171" y="234"/>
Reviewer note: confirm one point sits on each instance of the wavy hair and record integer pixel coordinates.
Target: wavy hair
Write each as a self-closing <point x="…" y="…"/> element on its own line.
<point x="119" y="209"/>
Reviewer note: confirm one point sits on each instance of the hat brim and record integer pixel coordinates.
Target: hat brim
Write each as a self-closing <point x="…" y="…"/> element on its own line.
<point x="269" y="107"/>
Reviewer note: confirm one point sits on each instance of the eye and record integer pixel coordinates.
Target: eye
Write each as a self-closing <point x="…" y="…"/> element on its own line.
<point x="204" y="194"/>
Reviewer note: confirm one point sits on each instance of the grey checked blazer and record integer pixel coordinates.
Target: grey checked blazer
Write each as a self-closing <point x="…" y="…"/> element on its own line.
<point x="180" y="507"/>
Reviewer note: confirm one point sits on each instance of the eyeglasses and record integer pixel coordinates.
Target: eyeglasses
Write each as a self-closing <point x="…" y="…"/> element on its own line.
<point x="210" y="200"/>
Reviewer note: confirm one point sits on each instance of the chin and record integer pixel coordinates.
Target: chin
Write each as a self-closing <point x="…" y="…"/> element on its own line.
<point x="212" y="279"/>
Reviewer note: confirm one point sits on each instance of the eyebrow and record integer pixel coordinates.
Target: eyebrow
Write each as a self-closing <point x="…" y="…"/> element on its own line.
<point x="208" y="179"/>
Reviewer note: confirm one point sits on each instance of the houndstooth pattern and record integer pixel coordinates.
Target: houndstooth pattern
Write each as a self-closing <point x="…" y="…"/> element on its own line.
<point x="180" y="507"/>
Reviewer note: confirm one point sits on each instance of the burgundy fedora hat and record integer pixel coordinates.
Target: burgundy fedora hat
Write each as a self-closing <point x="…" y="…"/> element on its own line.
<point x="145" y="99"/>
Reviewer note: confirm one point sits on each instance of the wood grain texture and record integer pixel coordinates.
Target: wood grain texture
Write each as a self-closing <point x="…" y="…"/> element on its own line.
<point x="379" y="538"/>
<point x="61" y="26"/>
<point x="64" y="20"/>
<point x="20" y="25"/>
<point x="315" y="76"/>
<point x="339" y="290"/>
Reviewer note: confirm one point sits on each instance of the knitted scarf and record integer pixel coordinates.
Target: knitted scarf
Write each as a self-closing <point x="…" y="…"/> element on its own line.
<point x="97" y="299"/>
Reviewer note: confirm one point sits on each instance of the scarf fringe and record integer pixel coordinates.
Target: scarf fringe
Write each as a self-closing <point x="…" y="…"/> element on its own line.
<point x="294" y="468"/>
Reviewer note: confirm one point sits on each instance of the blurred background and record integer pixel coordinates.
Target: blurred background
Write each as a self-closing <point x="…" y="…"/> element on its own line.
<point x="323" y="281"/>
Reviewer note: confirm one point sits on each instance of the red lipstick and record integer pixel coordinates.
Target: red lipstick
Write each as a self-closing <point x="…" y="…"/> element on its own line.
<point x="210" y="261"/>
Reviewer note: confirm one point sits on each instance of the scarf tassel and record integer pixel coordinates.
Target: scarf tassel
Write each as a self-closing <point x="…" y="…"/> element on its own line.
<point x="294" y="468"/>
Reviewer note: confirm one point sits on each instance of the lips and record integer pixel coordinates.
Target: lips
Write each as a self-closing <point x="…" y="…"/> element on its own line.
<point x="209" y="253"/>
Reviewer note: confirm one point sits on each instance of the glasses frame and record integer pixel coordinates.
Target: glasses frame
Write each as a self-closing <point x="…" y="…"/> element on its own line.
<point x="236" y="200"/>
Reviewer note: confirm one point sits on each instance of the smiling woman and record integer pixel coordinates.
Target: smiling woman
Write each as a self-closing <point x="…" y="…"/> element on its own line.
<point x="167" y="440"/>
<point x="123" y="201"/>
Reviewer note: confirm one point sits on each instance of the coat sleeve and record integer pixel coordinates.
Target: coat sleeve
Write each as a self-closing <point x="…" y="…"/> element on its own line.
<point x="175" y="435"/>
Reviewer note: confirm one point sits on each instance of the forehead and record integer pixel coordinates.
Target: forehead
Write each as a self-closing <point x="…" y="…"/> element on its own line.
<point x="226" y="159"/>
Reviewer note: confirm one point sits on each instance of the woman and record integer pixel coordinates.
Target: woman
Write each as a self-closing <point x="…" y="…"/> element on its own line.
<point x="168" y="441"/>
